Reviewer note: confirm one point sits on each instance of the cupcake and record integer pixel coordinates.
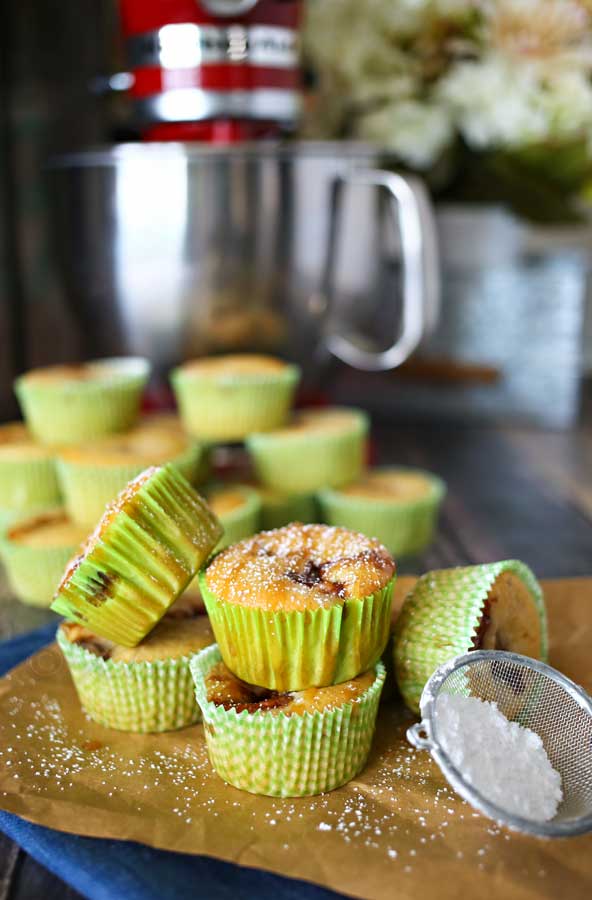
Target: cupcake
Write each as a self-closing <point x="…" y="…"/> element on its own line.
<point x="28" y="480"/>
<point x="145" y="550"/>
<point x="73" y="403"/>
<point x="279" y="509"/>
<point x="398" y="506"/>
<point x="290" y="744"/>
<point x="171" y="423"/>
<point x="301" y="606"/>
<point x="92" y="474"/>
<point x="145" y="688"/>
<point x="36" y="550"/>
<point x="319" y="448"/>
<point x="237" y="508"/>
<point x="496" y="606"/>
<point x="225" y="398"/>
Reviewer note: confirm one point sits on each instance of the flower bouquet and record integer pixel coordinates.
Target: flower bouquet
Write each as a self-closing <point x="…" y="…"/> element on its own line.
<point x="491" y="100"/>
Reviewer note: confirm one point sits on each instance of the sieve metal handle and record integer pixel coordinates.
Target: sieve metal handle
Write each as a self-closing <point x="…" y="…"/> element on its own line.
<point x="415" y="736"/>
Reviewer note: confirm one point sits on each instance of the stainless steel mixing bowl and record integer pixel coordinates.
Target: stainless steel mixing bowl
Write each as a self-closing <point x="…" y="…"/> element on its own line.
<point x="305" y="249"/>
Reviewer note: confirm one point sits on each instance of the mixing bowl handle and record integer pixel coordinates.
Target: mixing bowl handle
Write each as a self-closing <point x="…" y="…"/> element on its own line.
<point x="421" y="282"/>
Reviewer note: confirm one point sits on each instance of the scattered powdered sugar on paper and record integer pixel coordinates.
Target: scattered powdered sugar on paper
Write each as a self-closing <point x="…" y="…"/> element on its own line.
<point x="504" y="761"/>
<point x="399" y="811"/>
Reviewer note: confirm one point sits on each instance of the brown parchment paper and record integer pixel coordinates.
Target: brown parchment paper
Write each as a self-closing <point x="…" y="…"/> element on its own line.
<point x="397" y="830"/>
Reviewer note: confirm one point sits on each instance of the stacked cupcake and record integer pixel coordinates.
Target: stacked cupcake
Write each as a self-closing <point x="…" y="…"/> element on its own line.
<point x="60" y="404"/>
<point x="130" y="633"/>
<point x="289" y="694"/>
<point x="225" y="400"/>
<point x="309" y="465"/>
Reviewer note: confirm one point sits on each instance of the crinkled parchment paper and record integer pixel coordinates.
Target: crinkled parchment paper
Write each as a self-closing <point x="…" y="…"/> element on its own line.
<point x="397" y="830"/>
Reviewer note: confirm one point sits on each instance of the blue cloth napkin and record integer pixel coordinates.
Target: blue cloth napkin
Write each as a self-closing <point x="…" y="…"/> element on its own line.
<point x="122" y="870"/>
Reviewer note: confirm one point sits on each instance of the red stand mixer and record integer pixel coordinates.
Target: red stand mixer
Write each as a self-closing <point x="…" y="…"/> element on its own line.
<point x="220" y="71"/>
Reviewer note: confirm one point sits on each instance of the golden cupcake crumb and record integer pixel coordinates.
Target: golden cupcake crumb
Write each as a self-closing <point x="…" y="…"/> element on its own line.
<point x="215" y="367"/>
<point x="51" y="529"/>
<point x="300" y="567"/>
<point x="225" y="689"/>
<point x="390" y="486"/>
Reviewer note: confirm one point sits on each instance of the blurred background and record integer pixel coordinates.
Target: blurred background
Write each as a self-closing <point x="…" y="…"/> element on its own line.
<point x="465" y="298"/>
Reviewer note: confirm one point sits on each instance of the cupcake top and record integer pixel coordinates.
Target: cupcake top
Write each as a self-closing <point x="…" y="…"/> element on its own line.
<point x="162" y="421"/>
<point x="93" y="372"/>
<point x="300" y="567"/>
<point x="50" y="529"/>
<point x="323" y="421"/>
<point x="225" y="689"/>
<point x="225" y="500"/>
<point x="182" y="630"/>
<point x="17" y="445"/>
<point x="237" y="364"/>
<point x="145" y="445"/>
<point x="390" y="485"/>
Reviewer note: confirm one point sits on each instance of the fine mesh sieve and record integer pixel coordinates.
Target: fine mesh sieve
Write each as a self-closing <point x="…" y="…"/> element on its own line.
<point x="537" y="697"/>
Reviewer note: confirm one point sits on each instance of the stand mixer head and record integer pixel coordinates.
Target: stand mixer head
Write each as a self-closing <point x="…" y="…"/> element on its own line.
<point x="219" y="71"/>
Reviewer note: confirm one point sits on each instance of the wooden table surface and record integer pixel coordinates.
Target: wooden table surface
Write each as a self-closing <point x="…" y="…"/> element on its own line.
<point x="513" y="493"/>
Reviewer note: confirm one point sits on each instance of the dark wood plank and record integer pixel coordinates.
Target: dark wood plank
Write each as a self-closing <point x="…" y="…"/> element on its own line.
<point x="32" y="881"/>
<point x="499" y="506"/>
<point x="9" y="853"/>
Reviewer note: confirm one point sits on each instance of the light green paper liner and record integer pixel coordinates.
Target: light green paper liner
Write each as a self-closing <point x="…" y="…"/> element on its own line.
<point x="35" y="572"/>
<point x="291" y="651"/>
<point x="404" y="528"/>
<point x="229" y="409"/>
<point x="146" y="556"/>
<point x="88" y="488"/>
<point x="28" y="484"/>
<point x="278" y="509"/>
<point x="241" y="522"/>
<point x="144" y="696"/>
<point x="440" y="617"/>
<point x="286" y="756"/>
<point x="71" y="412"/>
<point x="302" y="463"/>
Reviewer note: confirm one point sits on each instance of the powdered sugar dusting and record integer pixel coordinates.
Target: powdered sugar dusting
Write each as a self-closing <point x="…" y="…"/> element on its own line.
<point x="398" y="811"/>
<point x="300" y="567"/>
<point x="504" y="761"/>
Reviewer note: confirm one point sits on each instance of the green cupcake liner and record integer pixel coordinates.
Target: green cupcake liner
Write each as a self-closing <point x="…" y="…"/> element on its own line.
<point x="71" y="412"/>
<point x="28" y="484"/>
<point x="302" y="463"/>
<point x="88" y="487"/>
<point x="404" y="528"/>
<point x="7" y="516"/>
<point x="231" y="408"/>
<point x="286" y="756"/>
<point x="278" y="509"/>
<point x="203" y="470"/>
<point x="440" y="617"/>
<point x="241" y="522"/>
<point x="144" y="696"/>
<point x="291" y="651"/>
<point x="143" y="559"/>
<point x="35" y="572"/>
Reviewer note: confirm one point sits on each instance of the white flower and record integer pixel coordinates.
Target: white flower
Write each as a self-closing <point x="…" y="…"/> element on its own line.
<point x="548" y="33"/>
<point x="567" y="100"/>
<point x="416" y="132"/>
<point x="495" y="103"/>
